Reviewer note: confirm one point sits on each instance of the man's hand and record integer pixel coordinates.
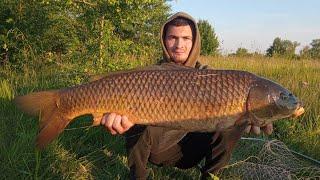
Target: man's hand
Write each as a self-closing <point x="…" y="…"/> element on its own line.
<point x="116" y="124"/>
<point x="256" y="130"/>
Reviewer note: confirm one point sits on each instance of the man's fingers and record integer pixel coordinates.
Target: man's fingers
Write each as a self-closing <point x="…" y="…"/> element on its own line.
<point x="256" y="130"/>
<point x="248" y="129"/>
<point x="126" y="124"/>
<point x="103" y="121"/>
<point x="268" y="129"/>
<point x="109" y="123"/>
<point x="117" y="124"/>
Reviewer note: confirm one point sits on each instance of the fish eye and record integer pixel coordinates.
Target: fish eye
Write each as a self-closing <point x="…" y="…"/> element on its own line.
<point x="284" y="96"/>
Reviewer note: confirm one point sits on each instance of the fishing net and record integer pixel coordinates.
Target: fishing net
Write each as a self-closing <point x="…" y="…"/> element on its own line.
<point x="271" y="160"/>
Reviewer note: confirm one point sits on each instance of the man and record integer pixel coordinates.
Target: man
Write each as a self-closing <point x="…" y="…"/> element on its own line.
<point x="180" y="41"/>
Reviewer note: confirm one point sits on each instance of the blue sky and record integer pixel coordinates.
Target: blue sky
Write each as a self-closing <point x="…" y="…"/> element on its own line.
<point x="253" y="24"/>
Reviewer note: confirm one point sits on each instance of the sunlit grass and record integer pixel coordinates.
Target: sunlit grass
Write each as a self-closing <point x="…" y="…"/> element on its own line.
<point x="91" y="153"/>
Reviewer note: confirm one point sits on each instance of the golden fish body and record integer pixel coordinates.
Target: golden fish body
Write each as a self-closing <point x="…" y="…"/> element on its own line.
<point x="189" y="99"/>
<point x="165" y="98"/>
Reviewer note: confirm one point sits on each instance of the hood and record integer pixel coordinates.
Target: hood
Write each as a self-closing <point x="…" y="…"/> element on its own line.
<point x="195" y="51"/>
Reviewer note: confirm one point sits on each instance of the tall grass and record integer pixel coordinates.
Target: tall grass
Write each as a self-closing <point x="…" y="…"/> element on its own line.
<point x="82" y="152"/>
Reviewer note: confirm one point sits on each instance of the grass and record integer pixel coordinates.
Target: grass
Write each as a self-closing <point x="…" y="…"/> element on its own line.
<point x="82" y="152"/>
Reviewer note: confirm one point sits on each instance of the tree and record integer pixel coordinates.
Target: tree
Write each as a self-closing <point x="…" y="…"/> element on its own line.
<point x="123" y="28"/>
<point x="209" y="40"/>
<point x="305" y="53"/>
<point x="94" y="31"/>
<point x="242" y="52"/>
<point x="282" y="48"/>
<point x="22" y="26"/>
<point x="315" y="49"/>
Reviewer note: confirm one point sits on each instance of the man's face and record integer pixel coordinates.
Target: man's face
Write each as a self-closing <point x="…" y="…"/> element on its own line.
<point x="178" y="42"/>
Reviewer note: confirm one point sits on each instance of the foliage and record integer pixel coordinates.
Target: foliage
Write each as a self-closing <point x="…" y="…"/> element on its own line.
<point x="17" y="23"/>
<point x="242" y="52"/>
<point x="123" y="28"/>
<point x="282" y="48"/>
<point x="35" y="32"/>
<point x="315" y="49"/>
<point x="305" y="52"/>
<point x="311" y="51"/>
<point x="209" y="40"/>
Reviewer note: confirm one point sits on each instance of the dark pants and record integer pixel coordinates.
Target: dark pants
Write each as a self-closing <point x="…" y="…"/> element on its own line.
<point x="183" y="150"/>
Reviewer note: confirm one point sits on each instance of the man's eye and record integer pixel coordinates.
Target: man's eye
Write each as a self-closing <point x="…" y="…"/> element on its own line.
<point x="170" y="37"/>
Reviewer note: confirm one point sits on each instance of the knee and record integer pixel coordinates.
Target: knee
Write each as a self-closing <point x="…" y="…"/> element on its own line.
<point x="151" y="135"/>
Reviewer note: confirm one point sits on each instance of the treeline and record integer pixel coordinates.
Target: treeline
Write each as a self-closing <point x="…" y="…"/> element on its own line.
<point x="76" y="31"/>
<point x="97" y="33"/>
<point x="286" y="49"/>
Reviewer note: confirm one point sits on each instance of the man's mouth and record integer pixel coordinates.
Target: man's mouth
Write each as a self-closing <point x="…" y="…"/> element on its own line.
<point x="179" y="53"/>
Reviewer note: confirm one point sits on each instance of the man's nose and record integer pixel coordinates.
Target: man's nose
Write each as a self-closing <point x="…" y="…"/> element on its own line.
<point x="179" y="43"/>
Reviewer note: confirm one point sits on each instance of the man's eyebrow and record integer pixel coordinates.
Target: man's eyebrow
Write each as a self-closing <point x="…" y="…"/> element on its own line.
<point x="187" y="37"/>
<point x="171" y="35"/>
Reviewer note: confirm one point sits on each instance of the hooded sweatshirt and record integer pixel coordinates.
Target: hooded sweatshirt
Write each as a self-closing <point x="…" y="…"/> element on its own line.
<point x="195" y="50"/>
<point x="168" y="138"/>
<point x="167" y="135"/>
<point x="158" y="144"/>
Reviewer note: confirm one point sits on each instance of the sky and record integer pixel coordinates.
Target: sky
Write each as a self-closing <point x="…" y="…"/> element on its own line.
<point x="254" y="24"/>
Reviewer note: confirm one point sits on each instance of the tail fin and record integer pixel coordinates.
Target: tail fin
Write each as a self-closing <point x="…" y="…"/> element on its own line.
<point x="44" y="104"/>
<point x="38" y="104"/>
<point x="52" y="129"/>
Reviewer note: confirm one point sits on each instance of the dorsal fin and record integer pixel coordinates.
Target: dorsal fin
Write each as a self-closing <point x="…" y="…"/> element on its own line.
<point x="103" y="75"/>
<point x="163" y="66"/>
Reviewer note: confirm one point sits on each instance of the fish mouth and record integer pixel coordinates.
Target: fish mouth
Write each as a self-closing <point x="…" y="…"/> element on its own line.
<point x="299" y="111"/>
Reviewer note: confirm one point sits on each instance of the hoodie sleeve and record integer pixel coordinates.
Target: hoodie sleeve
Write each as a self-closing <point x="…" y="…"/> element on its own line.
<point x="201" y="66"/>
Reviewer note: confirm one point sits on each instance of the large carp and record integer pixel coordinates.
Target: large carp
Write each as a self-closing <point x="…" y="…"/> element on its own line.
<point x="181" y="98"/>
